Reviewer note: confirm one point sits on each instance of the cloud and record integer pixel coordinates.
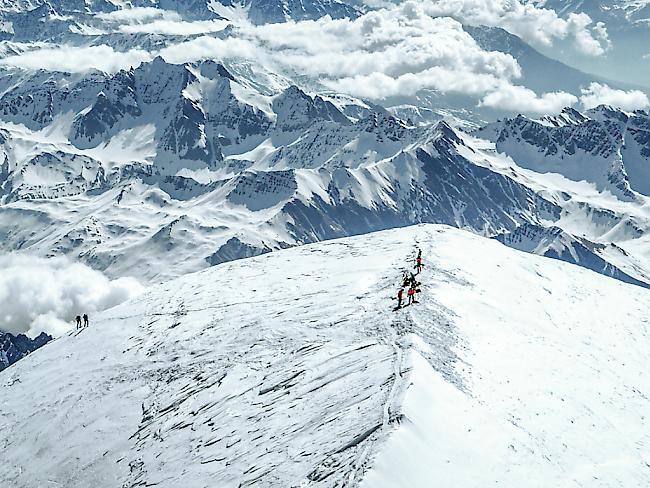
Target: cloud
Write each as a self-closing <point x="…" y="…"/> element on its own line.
<point x="394" y="51"/>
<point x="174" y="27"/>
<point x="75" y="59"/>
<point x="539" y="26"/>
<point x="379" y="85"/>
<point x="206" y="47"/>
<point x="600" y="94"/>
<point x="521" y="99"/>
<point x="136" y="14"/>
<point x="390" y="52"/>
<point x="394" y="42"/>
<point x="149" y="20"/>
<point x="44" y="295"/>
<point x="592" y="43"/>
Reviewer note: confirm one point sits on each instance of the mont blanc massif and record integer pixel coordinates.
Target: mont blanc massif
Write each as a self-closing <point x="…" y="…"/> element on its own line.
<point x="324" y="243"/>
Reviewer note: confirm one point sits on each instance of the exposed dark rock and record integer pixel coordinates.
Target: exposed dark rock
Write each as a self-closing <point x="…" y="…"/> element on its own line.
<point x="15" y="347"/>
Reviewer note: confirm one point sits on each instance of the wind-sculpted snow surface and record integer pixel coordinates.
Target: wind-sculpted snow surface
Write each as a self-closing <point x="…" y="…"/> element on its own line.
<point x="291" y="369"/>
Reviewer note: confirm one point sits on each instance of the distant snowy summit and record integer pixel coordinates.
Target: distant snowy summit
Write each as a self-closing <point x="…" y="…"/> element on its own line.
<point x="633" y="11"/>
<point x="605" y="146"/>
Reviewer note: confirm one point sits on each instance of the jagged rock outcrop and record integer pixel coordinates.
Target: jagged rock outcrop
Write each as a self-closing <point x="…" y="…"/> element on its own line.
<point x="605" y="146"/>
<point x="15" y="347"/>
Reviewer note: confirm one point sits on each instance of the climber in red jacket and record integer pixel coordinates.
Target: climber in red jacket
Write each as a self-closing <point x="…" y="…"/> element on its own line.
<point x="411" y="294"/>
<point x="418" y="264"/>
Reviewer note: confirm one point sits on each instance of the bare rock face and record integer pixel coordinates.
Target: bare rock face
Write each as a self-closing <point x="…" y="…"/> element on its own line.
<point x="604" y="145"/>
<point x="15" y="347"/>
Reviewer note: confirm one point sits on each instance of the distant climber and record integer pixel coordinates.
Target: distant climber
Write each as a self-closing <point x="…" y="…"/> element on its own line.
<point x="418" y="264"/>
<point x="400" y="297"/>
<point x="412" y="281"/>
<point x="406" y="279"/>
<point x="85" y="320"/>
<point x="78" y="319"/>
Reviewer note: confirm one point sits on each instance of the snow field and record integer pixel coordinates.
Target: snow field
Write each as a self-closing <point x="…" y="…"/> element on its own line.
<point x="291" y="369"/>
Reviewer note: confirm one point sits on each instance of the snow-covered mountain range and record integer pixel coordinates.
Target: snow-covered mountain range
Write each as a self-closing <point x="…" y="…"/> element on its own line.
<point x="268" y="168"/>
<point x="291" y="369"/>
<point x="168" y="167"/>
<point x="634" y="11"/>
<point x="191" y="165"/>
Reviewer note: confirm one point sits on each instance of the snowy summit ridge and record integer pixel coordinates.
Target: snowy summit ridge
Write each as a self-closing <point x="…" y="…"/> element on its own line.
<point x="270" y="169"/>
<point x="188" y="384"/>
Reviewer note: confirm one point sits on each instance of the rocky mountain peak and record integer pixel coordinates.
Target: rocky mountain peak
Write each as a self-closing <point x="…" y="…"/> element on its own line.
<point x="15" y="347"/>
<point x="296" y="110"/>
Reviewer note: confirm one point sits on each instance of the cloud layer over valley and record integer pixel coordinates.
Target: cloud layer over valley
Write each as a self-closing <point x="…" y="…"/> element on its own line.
<point x="44" y="295"/>
<point x="395" y="51"/>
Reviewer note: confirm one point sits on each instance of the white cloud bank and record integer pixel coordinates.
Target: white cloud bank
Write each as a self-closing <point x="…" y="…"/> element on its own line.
<point x="149" y="20"/>
<point x="45" y="295"/>
<point x="600" y="94"/>
<point x="74" y="59"/>
<point x="393" y="51"/>
<point x="520" y="99"/>
<point x="536" y="25"/>
<point x="396" y="51"/>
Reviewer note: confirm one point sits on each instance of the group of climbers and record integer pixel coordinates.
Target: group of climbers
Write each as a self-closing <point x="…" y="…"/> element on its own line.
<point x="85" y="323"/>
<point x="410" y="283"/>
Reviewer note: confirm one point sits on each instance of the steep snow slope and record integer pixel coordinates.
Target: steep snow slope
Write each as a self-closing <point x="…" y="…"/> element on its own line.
<point x="556" y="243"/>
<point x="605" y="232"/>
<point x="291" y="369"/>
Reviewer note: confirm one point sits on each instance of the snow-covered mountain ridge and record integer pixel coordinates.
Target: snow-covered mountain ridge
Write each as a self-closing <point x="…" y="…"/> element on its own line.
<point x="635" y="11"/>
<point x="604" y="146"/>
<point x="313" y="380"/>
